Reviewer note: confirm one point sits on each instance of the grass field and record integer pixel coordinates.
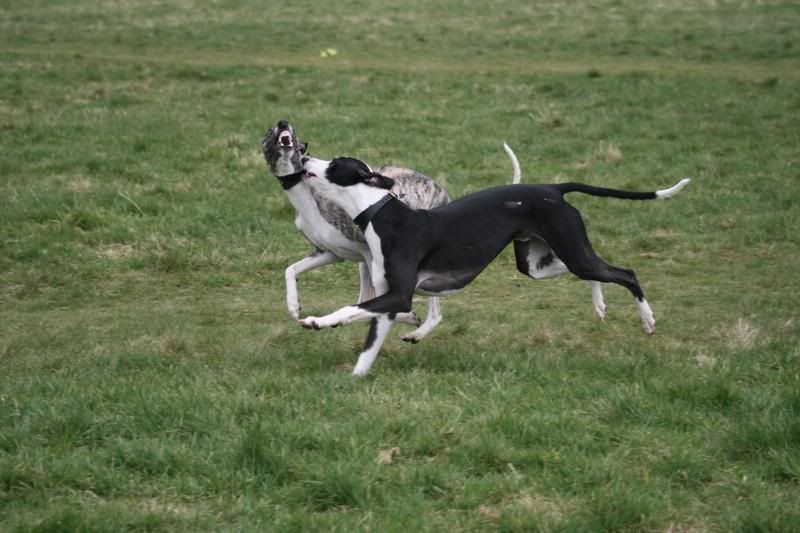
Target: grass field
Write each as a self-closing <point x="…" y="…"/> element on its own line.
<point x="152" y="379"/>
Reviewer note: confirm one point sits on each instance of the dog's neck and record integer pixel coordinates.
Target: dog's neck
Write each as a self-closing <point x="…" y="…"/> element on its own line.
<point x="288" y="181"/>
<point x="357" y="198"/>
<point x="285" y="171"/>
<point x="363" y="219"/>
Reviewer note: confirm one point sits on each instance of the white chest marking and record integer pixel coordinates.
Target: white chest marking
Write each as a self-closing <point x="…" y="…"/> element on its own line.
<point x="377" y="270"/>
<point x="318" y="230"/>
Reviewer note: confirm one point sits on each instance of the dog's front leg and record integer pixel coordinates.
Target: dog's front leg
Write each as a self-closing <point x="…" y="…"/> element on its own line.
<point x="378" y="331"/>
<point x="351" y="313"/>
<point x="345" y="315"/>
<point x="315" y="260"/>
<point x="381" y="286"/>
<point x="366" y="291"/>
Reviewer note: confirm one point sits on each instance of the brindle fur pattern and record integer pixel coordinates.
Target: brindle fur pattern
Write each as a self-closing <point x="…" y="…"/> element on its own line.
<point x="414" y="189"/>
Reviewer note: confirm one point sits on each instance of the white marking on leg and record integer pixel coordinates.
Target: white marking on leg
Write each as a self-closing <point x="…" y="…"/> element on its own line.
<point x="538" y="250"/>
<point x="556" y="268"/>
<point x="378" y="274"/>
<point x="597" y="299"/>
<point x="304" y="265"/>
<point x="432" y="319"/>
<point x="368" y="356"/>
<point x="367" y="291"/>
<point x="646" y="314"/>
<point x="345" y="315"/>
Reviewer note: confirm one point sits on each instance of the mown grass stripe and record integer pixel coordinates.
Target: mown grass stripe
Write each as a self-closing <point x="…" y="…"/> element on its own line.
<point x="596" y="65"/>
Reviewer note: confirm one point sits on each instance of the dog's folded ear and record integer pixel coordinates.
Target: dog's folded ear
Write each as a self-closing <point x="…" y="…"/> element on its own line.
<point x="303" y="147"/>
<point x="379" y="180"/>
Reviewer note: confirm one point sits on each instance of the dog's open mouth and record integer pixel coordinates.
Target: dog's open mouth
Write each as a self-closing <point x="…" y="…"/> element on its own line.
<point x="285" y="139"/>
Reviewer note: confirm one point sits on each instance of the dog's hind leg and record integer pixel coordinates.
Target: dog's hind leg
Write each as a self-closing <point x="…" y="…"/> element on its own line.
<point x="317" y="259"/>
<point x="536" y="259"/>
<point x="597" y="299"/>
<point x="432" y="320"/>
<point x="566" y="234"/>
<point x="595" y="269"/>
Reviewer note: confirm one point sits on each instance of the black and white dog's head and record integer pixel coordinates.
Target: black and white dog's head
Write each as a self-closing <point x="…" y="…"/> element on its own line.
<point x="283" y="150"/>
<point x="345" y="181"/>
<point x="341" y="173"/>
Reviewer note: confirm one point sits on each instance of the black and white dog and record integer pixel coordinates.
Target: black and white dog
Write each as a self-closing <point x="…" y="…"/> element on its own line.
<point x="440" y="251"/>
<point x="329" y="228"/>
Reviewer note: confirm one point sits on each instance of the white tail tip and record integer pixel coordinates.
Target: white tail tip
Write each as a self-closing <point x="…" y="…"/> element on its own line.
<point x="514" y="163"/>
<point x="663" y="194"/>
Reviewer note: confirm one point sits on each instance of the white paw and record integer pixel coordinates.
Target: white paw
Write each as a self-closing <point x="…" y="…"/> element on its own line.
<point x="293" y="303"/>
<point x="408" y="318"/>
<point x="311" y="322"/>
<point x="648" y="322"/>
<point x="646" y="314"/>
<point x="600" y="310"/>
<point x="411" y="337"/>
<point x="360" y="371"/>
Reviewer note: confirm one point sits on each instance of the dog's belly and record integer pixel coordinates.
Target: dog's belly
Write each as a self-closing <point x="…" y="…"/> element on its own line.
<point x="326" y="237"/>
<point x="442" y="284"/>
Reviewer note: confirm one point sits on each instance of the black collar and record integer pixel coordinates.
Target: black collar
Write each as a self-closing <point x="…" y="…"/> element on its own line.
<point x="290" y="180"/>
<point x="365" y="217"/>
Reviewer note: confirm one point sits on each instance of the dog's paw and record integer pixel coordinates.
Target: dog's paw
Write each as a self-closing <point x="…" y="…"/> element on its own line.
<point x="648" y="322"/>
<point x="598" y="302"/>
<point x="310" y="322"/>
<point x="409" y="318"/>
<point x="410" y="337"/>
<point x="646" y="314"/>
<point x="313" y="322"/>
<point x="601" y="310"/>
<point x="360" y="372"/>
<point x="292" y="302"/>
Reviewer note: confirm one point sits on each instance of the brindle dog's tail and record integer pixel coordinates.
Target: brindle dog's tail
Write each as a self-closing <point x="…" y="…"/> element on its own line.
<point x="662" y="194"/>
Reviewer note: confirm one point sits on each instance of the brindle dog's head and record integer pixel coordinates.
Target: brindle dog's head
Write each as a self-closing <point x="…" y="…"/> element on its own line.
<point x="283" y="150"/>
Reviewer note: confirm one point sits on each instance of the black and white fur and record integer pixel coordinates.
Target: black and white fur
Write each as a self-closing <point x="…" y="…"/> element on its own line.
<point x="440" y="251"/>
<point x="332" y="232"/>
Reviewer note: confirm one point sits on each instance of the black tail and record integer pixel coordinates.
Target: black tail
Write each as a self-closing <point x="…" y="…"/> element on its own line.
<point x="564" y="188"/>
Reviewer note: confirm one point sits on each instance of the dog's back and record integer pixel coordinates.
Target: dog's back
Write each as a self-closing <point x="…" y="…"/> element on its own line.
<point x="414" y="189"/>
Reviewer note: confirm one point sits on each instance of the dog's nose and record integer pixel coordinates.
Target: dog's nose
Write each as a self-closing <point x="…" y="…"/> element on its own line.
<point x="304" y="159"/>
<point x="283" y="124"/>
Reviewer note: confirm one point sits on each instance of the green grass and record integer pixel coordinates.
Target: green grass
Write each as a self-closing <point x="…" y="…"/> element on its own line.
<point x="151" y="378"/>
